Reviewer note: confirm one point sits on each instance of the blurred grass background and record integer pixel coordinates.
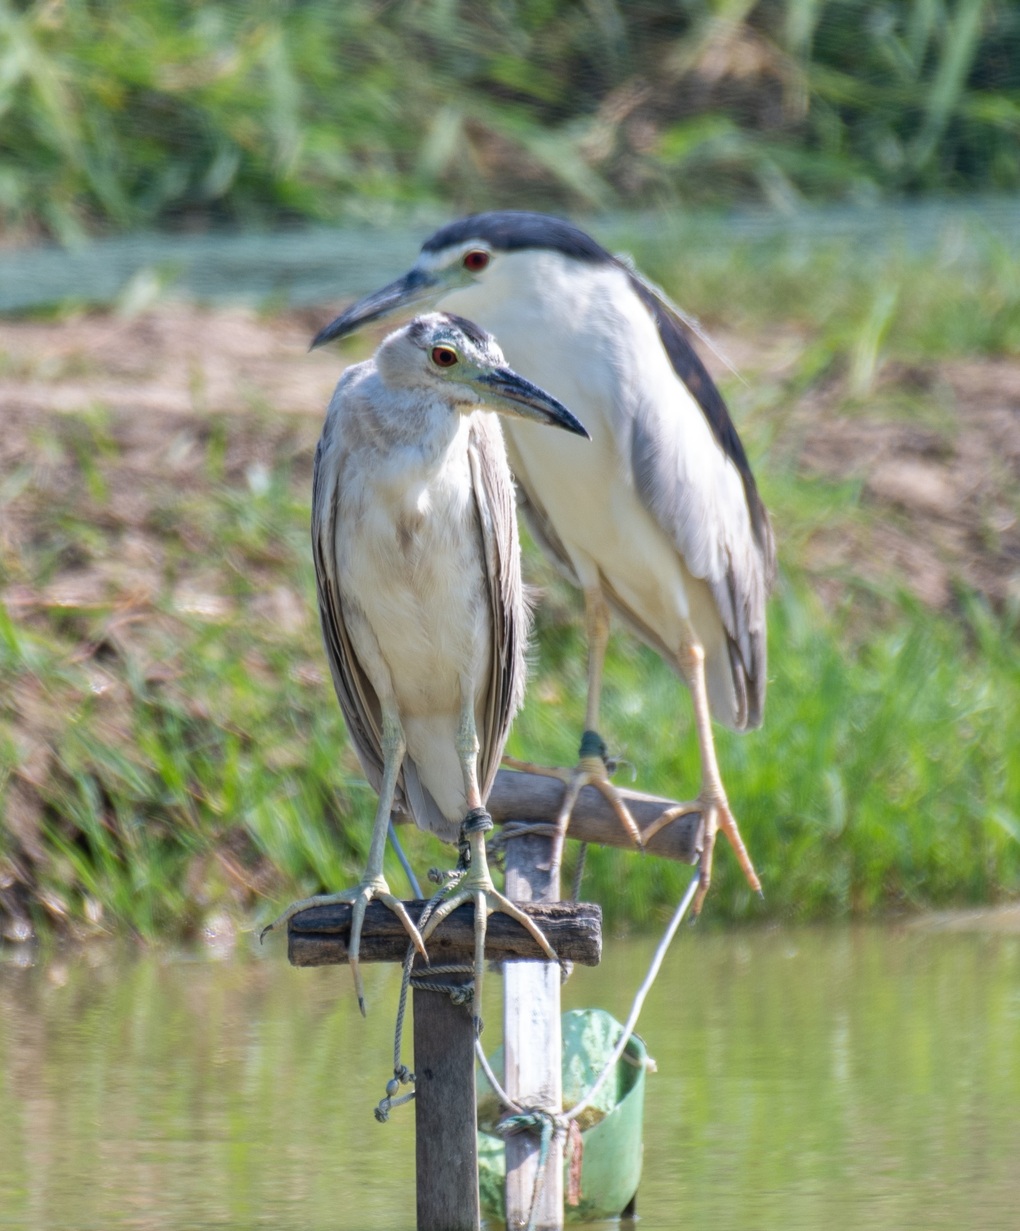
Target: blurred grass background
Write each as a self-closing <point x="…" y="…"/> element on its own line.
<point x="171" y="754"/>
<point x="154" y="112"/>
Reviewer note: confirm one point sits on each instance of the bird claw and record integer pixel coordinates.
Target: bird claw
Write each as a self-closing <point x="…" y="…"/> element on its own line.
<point x="716" y="816"/>
<point x="591" y="771"/>
<point x="371" y="889"/>
<point x="487" y="900"/>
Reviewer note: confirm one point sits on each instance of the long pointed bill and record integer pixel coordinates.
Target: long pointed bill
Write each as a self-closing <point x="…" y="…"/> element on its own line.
<point x="511" y="394"/>
<point x="413" y="288"/>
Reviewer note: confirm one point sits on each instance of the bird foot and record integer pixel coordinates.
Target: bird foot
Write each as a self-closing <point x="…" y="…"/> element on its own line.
<point x="592" y="769"/>
<point x="372" y="888"/>
<point x="716" y="815"/>
<point x="477" y="888"/>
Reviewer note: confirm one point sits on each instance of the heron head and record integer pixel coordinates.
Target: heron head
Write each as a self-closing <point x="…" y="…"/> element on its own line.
<point x="481" y="251"/>
<point x="466" y="368"/>
<point x="434" y="275"/>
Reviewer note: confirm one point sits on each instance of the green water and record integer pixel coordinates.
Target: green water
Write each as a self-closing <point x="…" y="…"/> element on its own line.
<point x="317" y="265"/>
<point x="806" y="1079"/>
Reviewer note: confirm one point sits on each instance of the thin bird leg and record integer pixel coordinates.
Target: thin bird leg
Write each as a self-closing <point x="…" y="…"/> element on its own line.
<point x="476" y="886"/>
<point x="711" y="802"/>
<point x="372" y="886"/>
<point x="591" y="768"/>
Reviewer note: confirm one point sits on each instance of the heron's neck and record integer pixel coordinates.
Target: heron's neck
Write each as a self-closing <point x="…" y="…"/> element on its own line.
<point x="416" y="436"/>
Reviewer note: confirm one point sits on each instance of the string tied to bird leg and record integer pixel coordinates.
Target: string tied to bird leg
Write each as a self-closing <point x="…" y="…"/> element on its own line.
<point x="478" y="820"/>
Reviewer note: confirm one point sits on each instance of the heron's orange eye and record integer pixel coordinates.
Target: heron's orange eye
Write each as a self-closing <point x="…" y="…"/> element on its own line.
<point x="443" y="356"/>
<point x="476" y="260"/>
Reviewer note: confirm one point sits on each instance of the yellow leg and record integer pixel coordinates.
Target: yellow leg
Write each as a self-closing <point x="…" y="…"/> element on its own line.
<point x="590" y="769"/>
<point x="711" y="802"/>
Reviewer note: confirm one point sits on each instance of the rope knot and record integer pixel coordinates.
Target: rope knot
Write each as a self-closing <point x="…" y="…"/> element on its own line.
<point x="532" y="1120"/>
<point x="402" y="1076"/>
<point x="477" y="820"/>
<point x="443" y="876"/>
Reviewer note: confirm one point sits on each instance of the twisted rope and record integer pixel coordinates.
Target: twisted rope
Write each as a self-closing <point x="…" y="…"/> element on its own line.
<point x="401" y="1074"/>
<point x="521" y="1119"/>
<point x="525" y="1119"/>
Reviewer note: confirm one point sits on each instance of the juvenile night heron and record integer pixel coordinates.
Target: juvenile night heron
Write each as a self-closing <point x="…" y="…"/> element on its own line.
<point x="659" y="519"/>
<point x="417" y="565"/>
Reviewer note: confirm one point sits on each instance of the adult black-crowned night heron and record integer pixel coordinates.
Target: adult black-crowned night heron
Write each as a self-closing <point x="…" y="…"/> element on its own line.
<point x="417" y="566"/>
<point x="660" y="518"/>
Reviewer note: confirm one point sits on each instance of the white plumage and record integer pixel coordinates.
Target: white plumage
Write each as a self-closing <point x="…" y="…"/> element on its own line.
<point x="417" y="569"/>
<point x="659" y="519"/>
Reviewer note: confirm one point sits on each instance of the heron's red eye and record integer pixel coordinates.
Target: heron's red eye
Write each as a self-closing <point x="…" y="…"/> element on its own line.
<point x="476" y="260"/>
<point x="443" y="356"/>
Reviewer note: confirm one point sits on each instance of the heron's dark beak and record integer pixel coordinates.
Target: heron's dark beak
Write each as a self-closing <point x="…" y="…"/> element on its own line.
<point x="511" y="394"/>
<point x="412" y="288"/>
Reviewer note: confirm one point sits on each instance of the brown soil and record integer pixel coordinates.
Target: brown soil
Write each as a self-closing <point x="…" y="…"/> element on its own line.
<point x="945" y="493"/>
<point x="940" y="496"/>
<point x="924" y="479"/>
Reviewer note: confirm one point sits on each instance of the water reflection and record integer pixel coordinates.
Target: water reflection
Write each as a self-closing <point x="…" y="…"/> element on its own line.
<point x="807" y="1079"/>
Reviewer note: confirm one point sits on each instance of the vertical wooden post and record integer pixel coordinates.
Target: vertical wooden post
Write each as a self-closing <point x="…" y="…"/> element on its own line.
<point x="532" y="1046"/>
<point x="446" y="1139"/>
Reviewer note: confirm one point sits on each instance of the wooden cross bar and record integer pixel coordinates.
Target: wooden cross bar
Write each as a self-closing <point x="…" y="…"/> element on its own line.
<point x="515" y="795"/>
<point x="319" y="935"/>
<point x="444" y="1061"/>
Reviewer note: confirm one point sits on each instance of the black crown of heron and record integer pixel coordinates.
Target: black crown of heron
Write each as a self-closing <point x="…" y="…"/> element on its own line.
<point x="659" y="520"/>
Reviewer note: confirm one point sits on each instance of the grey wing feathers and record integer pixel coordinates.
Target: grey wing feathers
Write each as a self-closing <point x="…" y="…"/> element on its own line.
<point x="357" y="697"/>
<point x="719" y="524"/>
<point x="494" y="498"/>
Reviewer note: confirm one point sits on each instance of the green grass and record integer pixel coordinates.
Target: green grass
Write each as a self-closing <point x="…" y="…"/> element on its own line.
<point x="175" y="746"/>
<point x="171" y="750"/>
<point x="118" y="115"/>
<point x="882" y="780"/>
<point x="953" y="290"/>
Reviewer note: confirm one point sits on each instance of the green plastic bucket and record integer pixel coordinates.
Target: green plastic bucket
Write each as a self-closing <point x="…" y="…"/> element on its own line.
<point x="610" y="1128"/>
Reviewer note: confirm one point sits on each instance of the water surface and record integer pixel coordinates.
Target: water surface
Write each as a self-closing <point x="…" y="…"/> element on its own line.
<point x="865" y="1078"/>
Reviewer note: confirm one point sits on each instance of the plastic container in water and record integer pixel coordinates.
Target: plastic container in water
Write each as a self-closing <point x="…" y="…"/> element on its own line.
<point x="610" y="1127"/>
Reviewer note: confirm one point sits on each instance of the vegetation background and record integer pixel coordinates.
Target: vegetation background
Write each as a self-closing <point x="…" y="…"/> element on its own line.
<point x="170" y="752"/>
<point x="127" y="113"/>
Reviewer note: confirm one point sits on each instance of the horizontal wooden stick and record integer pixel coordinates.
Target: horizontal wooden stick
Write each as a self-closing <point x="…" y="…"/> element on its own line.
<point x="319" y="935"/>
<point x="533" y="797"/>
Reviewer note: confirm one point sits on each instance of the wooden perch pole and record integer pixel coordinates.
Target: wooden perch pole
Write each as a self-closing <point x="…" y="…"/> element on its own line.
<point x="445" y="1121"/>
<point x="532" y="1049"/>
<point x="445" y="1114"/>
<point x="319" y="935"/>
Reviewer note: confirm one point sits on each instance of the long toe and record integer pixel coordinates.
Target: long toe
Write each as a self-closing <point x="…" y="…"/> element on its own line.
<point x="623" y="814"/>
<point x="321" y="899"/>
<point x="481" y="927"/>
<point x="495" y="901"/>
<point x="669" y="815"/>
<point x="728" y="824"/>
<point x="589" y="771"/>
<point x="704" y="876"/>
<point x="358" y="898"/>
<point x="400" y="910"/>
